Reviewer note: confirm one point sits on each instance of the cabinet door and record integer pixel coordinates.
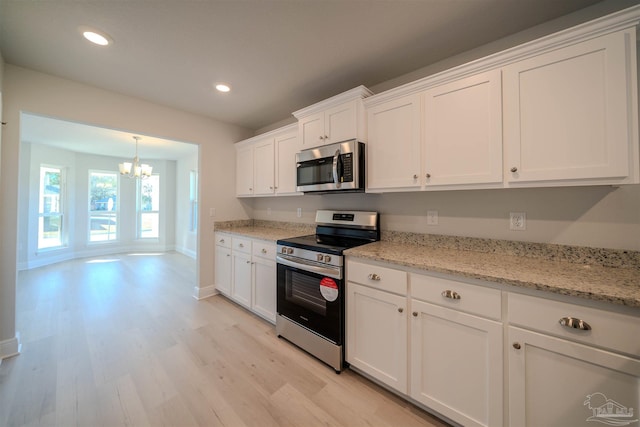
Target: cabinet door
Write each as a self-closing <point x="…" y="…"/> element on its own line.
<point x="463" y="131"/>
<point x="456" y="364"/>
<point x="394" y="144"/>
<point x="264" y="288"/>
<point x="244" y="171"/>
<point x="263" y="168"/>
<point x="567" y="112"/>
<point x="555" y="382"/>
<point x="223" y="270"/>
<point x="286" y="147"/>
<point x="340" y="122"/>
<point x="377" y="334"/>
<point x="241" y="286"/>
<point x="311" y="130"/>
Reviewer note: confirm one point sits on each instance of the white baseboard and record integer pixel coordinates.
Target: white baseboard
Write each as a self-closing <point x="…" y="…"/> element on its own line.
<point x="188" y="252"/>
<point x="10" y="347"/>
<point x="205" y="292"/>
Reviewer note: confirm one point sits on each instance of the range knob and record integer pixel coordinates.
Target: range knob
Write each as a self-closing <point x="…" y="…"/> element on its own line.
<point x="289" y="251"/>
<point x="327" y="258"/>
<point x="319" y="257"/>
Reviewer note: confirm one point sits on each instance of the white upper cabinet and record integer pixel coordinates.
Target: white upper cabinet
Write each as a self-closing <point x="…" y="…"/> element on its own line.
<point x="571" y="114"/>
<point x="463" y="132"/>
<point x="333" y="120"/>
<point x="286" y="145"/>
<point x="393" y="151"/>
<point x="244" y="170"/>
<point x="266" y="165"/>
<point x="263" y="167"/>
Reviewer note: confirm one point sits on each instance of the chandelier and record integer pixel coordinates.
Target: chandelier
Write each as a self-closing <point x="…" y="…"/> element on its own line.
<point x="135" y="169"/>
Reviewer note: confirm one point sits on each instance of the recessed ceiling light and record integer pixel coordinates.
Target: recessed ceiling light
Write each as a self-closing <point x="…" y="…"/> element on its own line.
<point x="222" y="87"/>
<point x="93" y="36"/>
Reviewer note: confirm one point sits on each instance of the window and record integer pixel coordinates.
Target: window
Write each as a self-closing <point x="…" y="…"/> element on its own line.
<point x="50" y="212"/>
<point x="149" y="211"/>
<point x="193" y="200"/>
<point x="103" y="207"/>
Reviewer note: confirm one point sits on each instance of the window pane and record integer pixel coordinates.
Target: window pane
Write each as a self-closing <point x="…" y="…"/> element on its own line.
<point x="149" y="202"/>
<point x="149" y="225"/>
<point x="103" y="199"/>
<point x="150" y="194"/>
<point x="50" y="208"/>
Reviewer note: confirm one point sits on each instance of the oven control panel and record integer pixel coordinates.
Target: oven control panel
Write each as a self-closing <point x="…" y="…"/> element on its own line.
<point x="309" y="255"/>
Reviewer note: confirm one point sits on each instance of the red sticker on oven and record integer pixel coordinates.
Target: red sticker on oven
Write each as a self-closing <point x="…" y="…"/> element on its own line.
<point x="329" y="289"/>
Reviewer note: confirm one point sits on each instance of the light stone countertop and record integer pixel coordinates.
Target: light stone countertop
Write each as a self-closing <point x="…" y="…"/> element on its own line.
<point x="617" y="285"/>
<point x="611" y="276"/>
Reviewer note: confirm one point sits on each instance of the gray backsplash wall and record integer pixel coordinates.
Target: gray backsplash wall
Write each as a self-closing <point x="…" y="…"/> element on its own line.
<point x="604" y="217"/>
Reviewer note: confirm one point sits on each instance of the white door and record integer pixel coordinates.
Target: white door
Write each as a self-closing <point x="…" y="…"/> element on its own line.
<point x="394" y="159"/>
<point x="264" y="167"/>
<point x="340" y="122"/>
<point x="456" y="364"/>
<point x="286" y="147"/>
<point x="241" y="288"/>
<point x="223" y="270"/>
<point x="555" y="382"/>
<point x="311" y="130"/>
<point x="377" y="334"/>
<point x="567" y="112"/>
<point x="264" y="288"/>
<point x="463" y="131"/>
<point x="244" y="171"/>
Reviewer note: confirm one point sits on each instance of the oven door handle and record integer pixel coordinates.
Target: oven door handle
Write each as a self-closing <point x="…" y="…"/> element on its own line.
<point x="336" y="160"/>
<point x="335" y="273"/>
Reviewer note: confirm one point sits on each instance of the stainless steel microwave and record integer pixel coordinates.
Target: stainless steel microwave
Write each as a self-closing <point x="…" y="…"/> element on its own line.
<point x="333" y="167"/>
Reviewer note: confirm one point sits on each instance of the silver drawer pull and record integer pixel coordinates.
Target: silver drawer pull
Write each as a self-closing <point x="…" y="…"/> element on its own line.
<point x="572" y="322"/>
<point x="264" y="251"/>
<point x="374" y="276"/>
<point x="221" y="240"/>
<point x="450" y="294"/>
<point x="241" y="245"/>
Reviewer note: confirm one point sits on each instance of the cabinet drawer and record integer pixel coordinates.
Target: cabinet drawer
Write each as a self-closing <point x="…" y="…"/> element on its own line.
<point x="386" y="279"/>
<point x="223" y="240"/>
<point x="241" y="245"/>
<point x="615" y="331"/>
<point x="264" y="250"/>
<point x="473" y="299"/>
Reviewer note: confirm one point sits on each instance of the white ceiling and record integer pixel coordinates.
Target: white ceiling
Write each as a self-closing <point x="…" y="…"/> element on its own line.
<point x="278" y="55"/>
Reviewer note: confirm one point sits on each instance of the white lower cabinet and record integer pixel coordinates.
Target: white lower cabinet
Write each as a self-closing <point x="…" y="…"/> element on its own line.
<point x="567" y="376"/>
<point x="377" y="334"/>
<point x="246" y="272"/>
<point x="223" y="263"/>
<point x="264" y="280"/>
<point x="456" y="349"/>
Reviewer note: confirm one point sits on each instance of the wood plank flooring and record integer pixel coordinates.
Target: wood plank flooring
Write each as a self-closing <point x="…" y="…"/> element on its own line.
<point x="119" y="341"/>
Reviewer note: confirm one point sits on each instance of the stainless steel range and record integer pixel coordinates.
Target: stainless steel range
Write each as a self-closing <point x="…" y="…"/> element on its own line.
<point x="311" y="285"/>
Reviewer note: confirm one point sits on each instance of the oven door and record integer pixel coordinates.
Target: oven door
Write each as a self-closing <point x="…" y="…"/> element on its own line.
<point x="312" y="299"/>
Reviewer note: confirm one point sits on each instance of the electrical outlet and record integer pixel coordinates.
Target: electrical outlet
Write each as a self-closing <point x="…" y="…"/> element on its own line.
<point x="299" y="213"/>
<point x="517" y="221"/>
<point x="432" y="217"/>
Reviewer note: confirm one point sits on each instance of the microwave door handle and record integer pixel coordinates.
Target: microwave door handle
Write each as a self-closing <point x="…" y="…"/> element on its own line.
<point x="336" y="158"/>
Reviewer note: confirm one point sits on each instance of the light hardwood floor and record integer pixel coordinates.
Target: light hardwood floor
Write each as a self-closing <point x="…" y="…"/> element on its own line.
<point x="119" y="341"/>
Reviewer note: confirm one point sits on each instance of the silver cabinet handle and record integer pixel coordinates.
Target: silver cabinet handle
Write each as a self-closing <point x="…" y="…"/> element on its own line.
<point x="228" y="254"/>
<point x="415" y="176"/>
<point x="574" y="323"/>
<point x="264" y="251"/>
<point x="221" y="240"/>
<point x="450" y="294"/>
<point x="240" y="245"/>
<point x="428" y="175"/>
<point x="514" y="169"/>
<point x="248" y="262"/>
<point x="374" y="276"/>
<point x="400" y="309"/>
<point x="517" y="345"/>
<point x="415" y="314"/>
